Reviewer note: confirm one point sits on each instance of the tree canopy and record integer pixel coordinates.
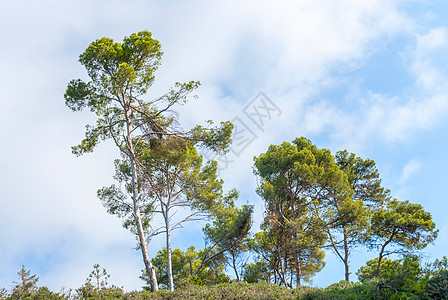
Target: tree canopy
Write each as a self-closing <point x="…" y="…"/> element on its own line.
<point x="403" y="225"/>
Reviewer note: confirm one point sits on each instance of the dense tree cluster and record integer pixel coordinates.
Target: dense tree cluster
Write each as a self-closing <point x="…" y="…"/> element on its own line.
<point x="315" y="200"/>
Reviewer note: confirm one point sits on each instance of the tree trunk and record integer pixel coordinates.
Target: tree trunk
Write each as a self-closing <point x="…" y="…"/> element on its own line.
<point x="135" y="198"/>
<point x="168" y="253"/>
<point x="380" y="256"/>
<point x="295" y="239"/>
<point x="346" y="254"/>
<point x="234" y="266"/>
<point x="347" y="271"/>
<point x="148" y="264"/>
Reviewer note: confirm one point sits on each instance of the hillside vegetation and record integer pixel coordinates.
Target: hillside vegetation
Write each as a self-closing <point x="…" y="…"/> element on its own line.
<point x="399" y="279"/>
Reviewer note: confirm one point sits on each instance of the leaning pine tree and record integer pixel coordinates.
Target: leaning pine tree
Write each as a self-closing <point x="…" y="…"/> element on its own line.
<point x="121" y="74"/>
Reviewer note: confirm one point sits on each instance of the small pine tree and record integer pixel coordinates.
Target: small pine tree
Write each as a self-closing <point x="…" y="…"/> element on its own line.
<point x="98" y="276"/>
<point x="27" y="284"/>
<point x="96" y="283"/>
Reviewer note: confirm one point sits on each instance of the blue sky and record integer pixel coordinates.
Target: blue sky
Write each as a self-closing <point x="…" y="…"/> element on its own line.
<point x="367" y="76"/>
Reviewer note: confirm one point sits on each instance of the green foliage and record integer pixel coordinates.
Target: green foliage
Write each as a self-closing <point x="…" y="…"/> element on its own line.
<point x="296" y="179"/>
<point x="115" y="69"/>
<point x="184" y="266"/>
<point x="402" y="224"/>
<point x="174" y="177"/>
<point x="146" y="133"/>
<point x="111" y="292"/>
<point x="120" y="74"/>
<point x="233" y="290"/>
<point x="437" y="287"/>
<point x="256" y="272"/>
<point x="407" y="223"/>
<point x="364" y="179"/>
<point x="228" y="231"/>
<point x="346" y="215"/>
<point x="437" y="267"/>
<point x="44" y="293"/>
<point x="398" y="279"/>
<point x="214" y="138"/>
<point x="395" y="277"/>
<point x="173" y="171"/>
<point x="342" y="290"/>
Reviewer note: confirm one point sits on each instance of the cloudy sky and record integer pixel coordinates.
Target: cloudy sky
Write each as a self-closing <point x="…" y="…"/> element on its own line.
<point x="368" y="76"/>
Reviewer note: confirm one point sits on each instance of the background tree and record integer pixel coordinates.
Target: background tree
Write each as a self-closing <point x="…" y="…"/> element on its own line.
<point x="256" y="272"/>
<point x="347" y="219"/>
<point x="227" y="234"/>
<point x="295" y="180"/>
<point x="121" y="73"/>
<point x="438" y="266"/>
<point x="274" y="246"/>
<point x="184" y="265"/>
<point x="267" y="253"/>
<point x="401" y="224"/>
<point x="347" y="226"/>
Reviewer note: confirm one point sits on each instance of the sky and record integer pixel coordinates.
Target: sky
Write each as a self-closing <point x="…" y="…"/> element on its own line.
<point x="367" y="76"/>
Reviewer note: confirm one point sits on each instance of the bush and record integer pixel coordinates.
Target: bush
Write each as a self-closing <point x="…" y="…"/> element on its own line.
<point x="341" y="290"/>
<point x="395" y="278"/>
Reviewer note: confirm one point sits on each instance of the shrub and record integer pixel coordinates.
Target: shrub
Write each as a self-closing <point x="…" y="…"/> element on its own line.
<point x="341" y="290"/>
<point x="395" y="278"/>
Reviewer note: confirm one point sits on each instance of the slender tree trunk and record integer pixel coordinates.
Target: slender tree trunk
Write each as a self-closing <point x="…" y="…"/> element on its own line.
<point x="234" y="266"/>
<point x="298" y="268"/>
<point x="380" y="256"/>
<point x="346" y="254"/>
<point x="138" y="220"/>
<point x="168" y="253"/>
<point x="284" y="268"/>
<point x="347" y="271"/>
<point x="150" y="269"/>
<point x="298" y="272"/>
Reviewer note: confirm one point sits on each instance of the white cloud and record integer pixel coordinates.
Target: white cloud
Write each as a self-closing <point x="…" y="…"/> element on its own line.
<point x="391" y="118"/>
<point x="411" y="168"/>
